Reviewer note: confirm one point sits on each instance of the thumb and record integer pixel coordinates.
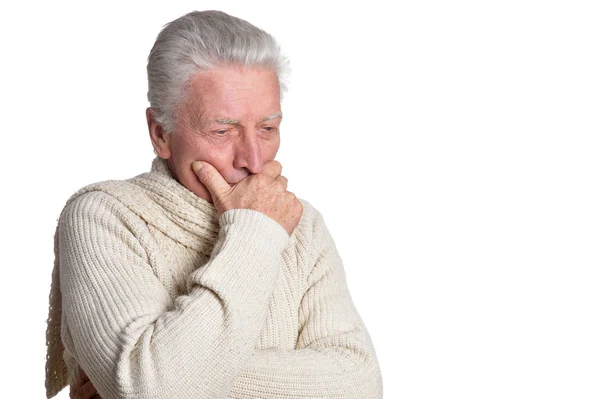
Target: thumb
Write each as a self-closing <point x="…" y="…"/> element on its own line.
<point x="210" y="177"/>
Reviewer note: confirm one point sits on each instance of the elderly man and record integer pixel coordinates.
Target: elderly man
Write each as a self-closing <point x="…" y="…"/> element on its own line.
<point x="205" y="277"/>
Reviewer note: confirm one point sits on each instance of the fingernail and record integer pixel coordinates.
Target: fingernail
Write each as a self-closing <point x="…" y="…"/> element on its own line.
<point x="197" y="166"/>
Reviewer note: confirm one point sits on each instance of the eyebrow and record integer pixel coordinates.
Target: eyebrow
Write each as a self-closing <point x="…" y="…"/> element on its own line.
<point x="230" y="121"/>
<point x="273" y="116"/>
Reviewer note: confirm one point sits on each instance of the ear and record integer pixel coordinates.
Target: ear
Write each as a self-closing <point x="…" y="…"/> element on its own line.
<point x="161" y="140"/>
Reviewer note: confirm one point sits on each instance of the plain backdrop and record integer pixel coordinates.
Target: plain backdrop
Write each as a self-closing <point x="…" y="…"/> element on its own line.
<point x="452" y="147"/>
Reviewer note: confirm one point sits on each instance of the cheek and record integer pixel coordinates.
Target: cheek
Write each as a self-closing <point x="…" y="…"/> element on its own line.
<point x="270" y="149"/>
<point x="220" y="158"/>
<point x="195" y="149"/>
<point x="184" y="147"/>
<point x="219" y="152"/>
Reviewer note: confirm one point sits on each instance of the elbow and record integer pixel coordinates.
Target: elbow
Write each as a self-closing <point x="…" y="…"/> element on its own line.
<point x="360" y="370"/>
<point x="372" y="380"/>
<point x="132" y="369"/>
<point x="365" y="377"/>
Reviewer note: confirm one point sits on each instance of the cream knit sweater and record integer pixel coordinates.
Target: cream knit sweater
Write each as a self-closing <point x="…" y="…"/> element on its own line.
<point x="163" y="299"/>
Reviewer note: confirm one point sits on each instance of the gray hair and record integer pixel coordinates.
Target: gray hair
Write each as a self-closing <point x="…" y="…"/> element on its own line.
<point x="199" y="41"/>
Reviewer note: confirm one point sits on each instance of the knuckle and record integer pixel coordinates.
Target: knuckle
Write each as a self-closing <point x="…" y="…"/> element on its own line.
<point x="275" y="166"/>
<point x="291" y="196"/>
<point x="282" y="183"/>
<point x="277" y="163"/>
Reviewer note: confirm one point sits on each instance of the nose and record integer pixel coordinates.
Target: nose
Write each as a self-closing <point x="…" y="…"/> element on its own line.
<point x="248" y="154"/>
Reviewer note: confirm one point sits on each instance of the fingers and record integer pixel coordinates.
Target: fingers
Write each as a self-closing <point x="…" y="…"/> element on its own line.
<point x="272" y="168"/>
<point x="86" y="391"/>
<point x="283" y="180"/>
<point x="210" y="177"/>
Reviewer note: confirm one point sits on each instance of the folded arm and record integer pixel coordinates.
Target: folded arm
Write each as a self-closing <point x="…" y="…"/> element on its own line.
<point x="334" y="356"/>
<point x="128" y="335"/>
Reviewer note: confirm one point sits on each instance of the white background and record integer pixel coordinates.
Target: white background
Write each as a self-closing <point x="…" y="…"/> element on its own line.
<point x="452" y="147"/>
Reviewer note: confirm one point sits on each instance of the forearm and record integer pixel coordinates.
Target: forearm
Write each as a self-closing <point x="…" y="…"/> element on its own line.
<point x="342" y="366"/>
<point x="334" y="356"/>
<point x="133" y="342"/>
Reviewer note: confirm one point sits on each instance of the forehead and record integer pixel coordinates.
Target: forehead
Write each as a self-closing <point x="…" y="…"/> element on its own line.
<point x="232" y="91"/>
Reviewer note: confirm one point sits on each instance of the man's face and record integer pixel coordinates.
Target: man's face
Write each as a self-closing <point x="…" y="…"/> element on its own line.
<point x="231" y="120"/>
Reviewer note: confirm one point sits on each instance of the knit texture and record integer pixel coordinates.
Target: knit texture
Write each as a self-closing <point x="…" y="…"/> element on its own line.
<point x="155" y="296"/>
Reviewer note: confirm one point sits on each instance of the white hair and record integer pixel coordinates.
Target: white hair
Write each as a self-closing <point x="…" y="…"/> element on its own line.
<point x="199" y="41"/>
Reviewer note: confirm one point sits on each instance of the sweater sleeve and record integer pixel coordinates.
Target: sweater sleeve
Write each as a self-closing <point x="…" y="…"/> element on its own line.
<point x="125" y="331"/>
<point x="334" y="356"/>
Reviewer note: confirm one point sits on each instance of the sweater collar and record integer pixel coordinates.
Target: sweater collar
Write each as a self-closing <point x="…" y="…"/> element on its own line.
<point x="174" y="209"/>
<point x="177" y="192"/>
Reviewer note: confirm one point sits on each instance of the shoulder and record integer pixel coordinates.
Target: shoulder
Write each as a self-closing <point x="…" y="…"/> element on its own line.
<point x="91" y="210"/>
<point x="89" y="202"/>
<point x="94" y="227"/>
<point x="100" y="198"/>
